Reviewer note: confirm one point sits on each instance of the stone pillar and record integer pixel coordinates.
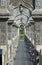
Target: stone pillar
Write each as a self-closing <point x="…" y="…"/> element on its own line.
<point x="18" y="31"/>
<point x="4" y="15"/>
<point x="24" y="30"/>
<point x="15" y="38"/>
<point x="10" y="43"/>
<point x="29" y="30"/>
<point x="32" y="30"/>
<point x="37" y="16"/>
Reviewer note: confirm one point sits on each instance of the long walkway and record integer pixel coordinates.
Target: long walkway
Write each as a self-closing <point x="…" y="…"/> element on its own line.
<point x="21" y="55"/>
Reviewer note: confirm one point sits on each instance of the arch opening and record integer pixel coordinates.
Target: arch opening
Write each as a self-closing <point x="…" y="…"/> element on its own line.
<point x="21" y="31"/>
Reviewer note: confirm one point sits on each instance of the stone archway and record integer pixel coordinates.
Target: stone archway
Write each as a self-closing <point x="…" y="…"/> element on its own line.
<point x="21" y="31"/>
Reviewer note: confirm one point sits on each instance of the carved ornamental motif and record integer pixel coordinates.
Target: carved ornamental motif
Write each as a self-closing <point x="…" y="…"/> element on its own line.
<point x="37" y="4"/>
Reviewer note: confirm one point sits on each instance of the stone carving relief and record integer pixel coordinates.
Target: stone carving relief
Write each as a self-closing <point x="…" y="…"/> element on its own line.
<point x="38" y="4"/>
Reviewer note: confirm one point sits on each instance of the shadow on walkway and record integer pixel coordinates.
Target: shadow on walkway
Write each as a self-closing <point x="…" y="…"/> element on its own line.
<point x="21" y="57"/>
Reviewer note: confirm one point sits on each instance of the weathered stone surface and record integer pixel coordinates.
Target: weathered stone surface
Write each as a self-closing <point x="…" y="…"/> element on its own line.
<point x="4" y="11"/>
<point x="37" y="33"/>
<point x="3" y="32"/>
<point x="38" y="4"/>
<point x="37" y="13"/>
<point x="16" y="2"/>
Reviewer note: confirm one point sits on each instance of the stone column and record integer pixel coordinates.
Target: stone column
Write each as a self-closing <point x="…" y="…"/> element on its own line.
<point x="4" y="15"/>
<point x="29" y="26"/>
<point x="37" y="16"/>
<point x="10" y="43"/>
<point x="27" y="30"/>
<point x="32" y="30"/>
<point x="18" y="32"/>
<point x="24" y="30"/>
<point x="15" y="38"/>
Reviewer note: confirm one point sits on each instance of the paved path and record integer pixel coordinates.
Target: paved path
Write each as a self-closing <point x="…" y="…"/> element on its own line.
<point x="21" y="55"/>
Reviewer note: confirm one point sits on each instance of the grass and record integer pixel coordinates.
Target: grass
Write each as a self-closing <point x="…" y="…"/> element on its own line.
<point x="22" y="33"/>
<point x="21" y="36"/>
